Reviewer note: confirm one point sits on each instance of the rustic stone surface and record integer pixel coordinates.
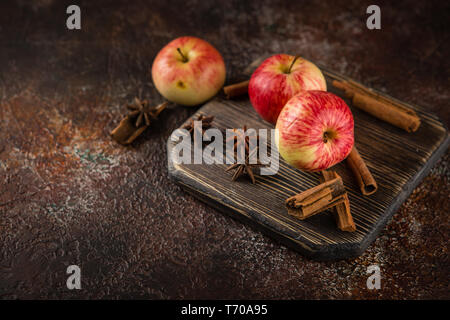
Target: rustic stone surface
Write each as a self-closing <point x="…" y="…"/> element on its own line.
<point x="71" y="195"/>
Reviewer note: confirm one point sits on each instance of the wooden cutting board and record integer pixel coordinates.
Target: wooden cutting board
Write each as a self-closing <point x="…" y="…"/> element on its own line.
<point x="398" y="161"/>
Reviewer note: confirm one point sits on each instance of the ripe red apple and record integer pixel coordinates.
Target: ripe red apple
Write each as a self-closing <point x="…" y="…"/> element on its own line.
<point x="315" y="131"/>
<point x="188" y="71"/>
<point x="278" y="79"/>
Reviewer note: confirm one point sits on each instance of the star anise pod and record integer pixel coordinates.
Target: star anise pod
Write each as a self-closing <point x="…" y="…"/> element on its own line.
<point x="137" y="121"/>
<point x="206" y="124"/>
<point x="244" y="168"/>
<point x="143" y="112"/>
<point x="241" y="139"/>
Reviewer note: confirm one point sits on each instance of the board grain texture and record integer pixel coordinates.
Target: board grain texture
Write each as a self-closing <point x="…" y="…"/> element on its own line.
<point x="398" y="160"/>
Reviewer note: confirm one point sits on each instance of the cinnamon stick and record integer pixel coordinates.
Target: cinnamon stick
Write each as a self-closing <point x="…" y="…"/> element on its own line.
<point x="316" y="199"/>
<point x="236" y="89"/>
<point x="379" y="106"/>
<point x="365" y="180"/>
<point x="344" y="218"/>
<point x="126" y="132"/>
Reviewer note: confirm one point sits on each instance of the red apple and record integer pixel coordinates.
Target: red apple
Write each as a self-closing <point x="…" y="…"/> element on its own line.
<point x="314" y="131"/>
<point x="188" y="71"/>
<point x="278" y="79"/>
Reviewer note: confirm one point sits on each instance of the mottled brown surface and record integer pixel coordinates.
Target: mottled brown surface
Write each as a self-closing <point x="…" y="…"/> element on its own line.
<point x="70" y="195"/>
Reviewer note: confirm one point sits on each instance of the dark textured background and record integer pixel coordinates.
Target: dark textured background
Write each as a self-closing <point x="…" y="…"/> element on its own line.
<point x="70" y="195"/>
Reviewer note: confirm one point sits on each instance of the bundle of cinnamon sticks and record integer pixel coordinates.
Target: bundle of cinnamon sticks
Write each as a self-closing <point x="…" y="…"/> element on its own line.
<point x="330" y="194"/>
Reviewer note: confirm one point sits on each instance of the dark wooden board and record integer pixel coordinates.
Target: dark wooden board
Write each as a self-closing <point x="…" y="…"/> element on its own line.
<point x="398" y="160"/>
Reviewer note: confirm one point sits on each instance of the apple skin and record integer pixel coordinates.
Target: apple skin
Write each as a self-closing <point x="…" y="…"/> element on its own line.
<point x="192" y="82"/>
<point x="315" y="131"/>
<point x="271" y="86"/>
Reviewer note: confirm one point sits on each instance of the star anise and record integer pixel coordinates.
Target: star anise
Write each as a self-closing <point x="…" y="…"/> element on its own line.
<point x="245" y="168"/>
<point x="143" y="112"/>
<point x="241" y="139"/>
<point x="206" y="124"/>
<point x="137" y="121"/>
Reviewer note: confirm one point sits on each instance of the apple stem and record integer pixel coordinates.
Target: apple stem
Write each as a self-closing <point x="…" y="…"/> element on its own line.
<point x="182" y="55"/>
<point x="292" y="64"/>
